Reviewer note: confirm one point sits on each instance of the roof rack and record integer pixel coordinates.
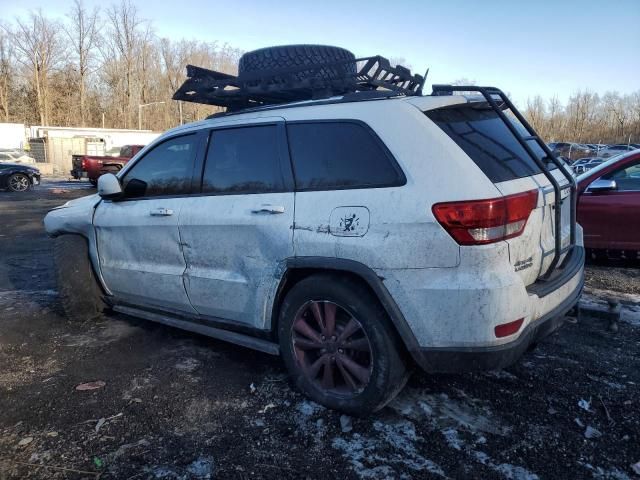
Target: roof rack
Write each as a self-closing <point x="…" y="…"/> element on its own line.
<point x="272" y="87"/>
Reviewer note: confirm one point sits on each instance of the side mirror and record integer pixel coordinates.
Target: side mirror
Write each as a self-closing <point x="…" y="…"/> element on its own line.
<point x="602" y="185"/>
<point x="109" y="186"/>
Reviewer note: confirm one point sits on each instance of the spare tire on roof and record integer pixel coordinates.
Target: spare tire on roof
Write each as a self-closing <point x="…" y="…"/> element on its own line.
<point x="290" y="56"/>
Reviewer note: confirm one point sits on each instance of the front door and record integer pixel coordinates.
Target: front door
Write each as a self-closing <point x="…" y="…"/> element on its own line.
<point x="138" y="239"/>
<point x="610" y="219"/>
<point x="239" y="231"/>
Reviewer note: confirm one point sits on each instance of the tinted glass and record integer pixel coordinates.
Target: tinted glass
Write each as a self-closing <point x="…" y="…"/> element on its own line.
<point x="243" y="160"/>
<point x="485" y="138"/>
<point x="165" y="170"/>
<point x="329" y="155"/>
<point x="627" y="179"/>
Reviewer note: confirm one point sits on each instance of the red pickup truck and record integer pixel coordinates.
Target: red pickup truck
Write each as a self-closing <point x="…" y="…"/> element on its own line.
<point x="91" y="167"/>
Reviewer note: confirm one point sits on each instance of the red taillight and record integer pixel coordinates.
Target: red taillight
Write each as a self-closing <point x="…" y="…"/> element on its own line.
<point x="507" y="329"/>
<point x="84" y="163"/>
<point x="477" y="222"/>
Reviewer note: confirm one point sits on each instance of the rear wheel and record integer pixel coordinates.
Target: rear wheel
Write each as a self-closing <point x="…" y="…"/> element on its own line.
<point x="19" y="182"/>
<point x="338" y="345"/>
<point x="80" y="294"/>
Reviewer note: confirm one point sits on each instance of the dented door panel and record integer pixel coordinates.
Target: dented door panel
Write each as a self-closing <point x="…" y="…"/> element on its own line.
<point x="140" y="255"/>
<point x="233" y="251"/>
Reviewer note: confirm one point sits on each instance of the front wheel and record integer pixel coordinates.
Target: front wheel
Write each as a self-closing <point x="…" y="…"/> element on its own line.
<point x="19" y="182"/>
<point x="80" y="294"/>
<point x="339" y="346"/>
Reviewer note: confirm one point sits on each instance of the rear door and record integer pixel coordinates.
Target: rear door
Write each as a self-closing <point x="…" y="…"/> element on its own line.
<point x="487" y="140"/>
<point x="238" y="232"/>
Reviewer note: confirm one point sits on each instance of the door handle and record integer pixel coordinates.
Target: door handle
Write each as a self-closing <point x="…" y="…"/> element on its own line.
<point x="161" y="212"/>
<point x="272" y="209"/>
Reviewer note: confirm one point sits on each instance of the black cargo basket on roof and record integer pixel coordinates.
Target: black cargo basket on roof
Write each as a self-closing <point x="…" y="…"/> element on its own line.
<point x="272" y="87"/>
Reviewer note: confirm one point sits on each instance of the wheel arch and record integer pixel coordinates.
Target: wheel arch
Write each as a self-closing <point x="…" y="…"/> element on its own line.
<point x="298" y="268"/>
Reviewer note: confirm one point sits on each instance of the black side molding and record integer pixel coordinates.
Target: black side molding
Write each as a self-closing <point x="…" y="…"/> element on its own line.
<point x="226" y="335"/>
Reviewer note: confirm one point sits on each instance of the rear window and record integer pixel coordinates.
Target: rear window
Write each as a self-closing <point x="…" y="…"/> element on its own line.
<point x="488" y="142"/>
<point x="340" y="155"/>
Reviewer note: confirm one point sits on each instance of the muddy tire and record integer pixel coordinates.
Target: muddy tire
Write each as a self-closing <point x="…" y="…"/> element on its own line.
<point x="339" y="345"/>
<point x="80" y="294"/>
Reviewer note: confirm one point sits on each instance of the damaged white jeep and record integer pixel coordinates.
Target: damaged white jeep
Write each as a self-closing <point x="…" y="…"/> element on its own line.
<point x="338" y="217"/>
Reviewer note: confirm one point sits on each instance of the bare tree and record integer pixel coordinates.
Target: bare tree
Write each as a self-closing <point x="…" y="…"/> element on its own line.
<point x="6" y="74"/>
<point x="122" y="46"/>
<point x="535" y="112"/>
<point x="39" y="50"/>
<point x="83" y="33"/>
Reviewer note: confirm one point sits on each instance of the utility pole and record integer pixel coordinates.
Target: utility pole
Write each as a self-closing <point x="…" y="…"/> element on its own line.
<point x="140" y="112"/>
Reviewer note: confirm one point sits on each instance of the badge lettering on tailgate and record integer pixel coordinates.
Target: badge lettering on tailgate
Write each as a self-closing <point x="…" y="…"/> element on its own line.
<point x="523" y="264"/>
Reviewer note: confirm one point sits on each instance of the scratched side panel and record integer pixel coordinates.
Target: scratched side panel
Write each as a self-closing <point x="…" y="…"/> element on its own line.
<point x="402" y="232"/>
<point x="140" y="255"/>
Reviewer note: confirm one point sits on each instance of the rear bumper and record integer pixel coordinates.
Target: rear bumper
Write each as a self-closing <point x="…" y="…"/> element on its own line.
<point x="495" y="357"/>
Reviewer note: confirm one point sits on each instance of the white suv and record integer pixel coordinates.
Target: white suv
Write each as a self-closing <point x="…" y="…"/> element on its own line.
<point x="354" y="237"/>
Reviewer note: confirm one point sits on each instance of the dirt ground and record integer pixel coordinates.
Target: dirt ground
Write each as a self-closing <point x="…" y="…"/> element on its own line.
<point x="176" y="405"/>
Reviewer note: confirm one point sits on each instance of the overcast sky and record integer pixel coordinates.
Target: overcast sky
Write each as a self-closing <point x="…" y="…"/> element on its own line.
<point x="526" y="48"/>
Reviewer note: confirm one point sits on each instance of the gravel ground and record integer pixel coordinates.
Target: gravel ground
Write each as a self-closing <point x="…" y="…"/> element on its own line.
<point x="176" y="405"/>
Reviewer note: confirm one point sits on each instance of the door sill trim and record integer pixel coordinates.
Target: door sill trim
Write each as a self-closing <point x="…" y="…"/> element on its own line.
<point x="218" y="333"/>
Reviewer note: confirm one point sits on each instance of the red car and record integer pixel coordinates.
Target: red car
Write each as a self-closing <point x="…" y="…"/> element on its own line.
<point x="609" y="204"/>
<point x="91" y="167"/>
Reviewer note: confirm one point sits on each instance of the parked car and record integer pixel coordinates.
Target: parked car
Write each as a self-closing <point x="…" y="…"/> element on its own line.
<point x="571" y="151"/>
<point x="17" y="177"/>
<point x="16" y="156"/>
<point x="609" y="204"/>
<point x="615" y="149"/>
<point x="316" y="231"/>
<point x="586" y="164"/>
<point x="92" y="167"/>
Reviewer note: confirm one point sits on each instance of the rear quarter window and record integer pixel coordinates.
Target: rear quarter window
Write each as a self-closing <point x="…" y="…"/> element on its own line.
<point x="486" y="139"/>
<point x="340" y="155"/>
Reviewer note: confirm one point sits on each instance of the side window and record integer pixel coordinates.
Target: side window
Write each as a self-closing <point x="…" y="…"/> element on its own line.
<point x="243" y="160"/>
<point x="165" y="170"/>
<point x="627" y="179"/>
<point x="339" y="155"/>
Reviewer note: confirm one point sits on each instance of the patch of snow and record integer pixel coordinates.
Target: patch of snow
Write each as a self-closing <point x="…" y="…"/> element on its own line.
<point x="591" y="432"/>
<point x="602" y="474"/>
<point x="399" y="442"/>
<point x="452" y="438"/>
<point x="345" y="423"/>
<point x="500" y="375"/>
<point x="511" y="472"/>
<point x="202" y="467"/>
<point x="585" y="404"/>
<point x="309" y="408"/>
<point x="444" y="412"/>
